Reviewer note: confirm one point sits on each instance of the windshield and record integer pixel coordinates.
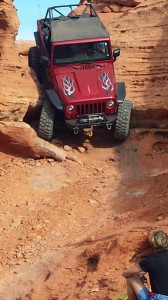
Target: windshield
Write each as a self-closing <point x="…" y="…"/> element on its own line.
<point x="81" y="52"/>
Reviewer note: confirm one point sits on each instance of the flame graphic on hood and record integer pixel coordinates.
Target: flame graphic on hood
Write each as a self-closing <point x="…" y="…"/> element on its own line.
<point x="68" y="86"/>
<point x="106" y="82"/>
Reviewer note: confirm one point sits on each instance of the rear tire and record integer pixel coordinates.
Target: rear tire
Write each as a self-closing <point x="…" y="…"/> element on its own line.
<point x="34" y="62"/>
<point x="122" y="125"/>
<point x="46" y="122"/>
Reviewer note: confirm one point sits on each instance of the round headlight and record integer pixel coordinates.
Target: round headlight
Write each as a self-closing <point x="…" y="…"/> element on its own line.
<point x="110" y="103"/>
<point x="70" y="107"/>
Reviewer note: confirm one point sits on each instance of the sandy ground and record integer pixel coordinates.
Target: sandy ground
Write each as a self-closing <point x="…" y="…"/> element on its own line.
<point x="68" y="229"/>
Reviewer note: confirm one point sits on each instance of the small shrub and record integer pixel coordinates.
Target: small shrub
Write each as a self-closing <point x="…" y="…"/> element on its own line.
<point x="122" y="296"/>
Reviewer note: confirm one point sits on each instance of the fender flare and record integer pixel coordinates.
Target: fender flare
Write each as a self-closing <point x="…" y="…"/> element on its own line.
<point x="121" y="92"/>
<point x="55" y="100"/>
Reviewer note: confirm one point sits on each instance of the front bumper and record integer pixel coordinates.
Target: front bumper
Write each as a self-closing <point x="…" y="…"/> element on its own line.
<point x="87" y="121"/>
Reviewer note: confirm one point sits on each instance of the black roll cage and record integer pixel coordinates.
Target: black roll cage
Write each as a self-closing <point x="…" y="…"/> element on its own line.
<point x="88" y="9"/>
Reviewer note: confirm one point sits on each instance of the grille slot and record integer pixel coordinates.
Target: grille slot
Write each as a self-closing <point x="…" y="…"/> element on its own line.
<point x="92" y="108"/>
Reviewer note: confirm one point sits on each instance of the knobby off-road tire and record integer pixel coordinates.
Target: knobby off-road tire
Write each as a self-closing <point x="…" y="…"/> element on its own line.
<point x="34" y="63"/>
<point x="46" y="122"/>
<point x="122" y="125"/>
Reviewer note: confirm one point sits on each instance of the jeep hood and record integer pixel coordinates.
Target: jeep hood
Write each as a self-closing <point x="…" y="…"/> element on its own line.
<point x="85" y="82"/>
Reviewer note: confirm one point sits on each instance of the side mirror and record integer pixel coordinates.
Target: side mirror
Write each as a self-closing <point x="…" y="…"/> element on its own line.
<point x="116" y="53"/>
<point x="45" y="60"/>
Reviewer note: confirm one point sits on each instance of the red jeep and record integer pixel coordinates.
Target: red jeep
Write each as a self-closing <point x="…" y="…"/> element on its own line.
<point x="74" y="60"/>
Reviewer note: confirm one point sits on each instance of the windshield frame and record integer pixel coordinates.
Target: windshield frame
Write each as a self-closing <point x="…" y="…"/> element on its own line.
<point x="68" y="56"/>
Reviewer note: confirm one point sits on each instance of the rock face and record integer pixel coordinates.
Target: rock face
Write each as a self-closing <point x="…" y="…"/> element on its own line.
<point x="142" y="36"/>
<point x="138" y="27"/>
<point x="18" y="90"/>
<point x="113" y="5"/>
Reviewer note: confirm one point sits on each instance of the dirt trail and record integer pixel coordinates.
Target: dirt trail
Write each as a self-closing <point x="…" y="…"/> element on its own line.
<point x="69" y="228"/>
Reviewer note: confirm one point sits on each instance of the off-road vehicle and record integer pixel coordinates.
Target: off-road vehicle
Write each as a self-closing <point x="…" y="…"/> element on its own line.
<point x="74" y="60"/>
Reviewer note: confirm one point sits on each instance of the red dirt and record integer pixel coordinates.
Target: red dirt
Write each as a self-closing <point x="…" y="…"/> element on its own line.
<point x="70" y="228"/>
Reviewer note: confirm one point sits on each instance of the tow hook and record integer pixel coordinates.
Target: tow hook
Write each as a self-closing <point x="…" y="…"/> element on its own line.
<point x="108" y="126"/>
<point x="76" y="130"/>
<point x="88" y="131"/>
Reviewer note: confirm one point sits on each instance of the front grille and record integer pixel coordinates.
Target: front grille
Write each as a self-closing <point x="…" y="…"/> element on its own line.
<point x="92" y="108"/>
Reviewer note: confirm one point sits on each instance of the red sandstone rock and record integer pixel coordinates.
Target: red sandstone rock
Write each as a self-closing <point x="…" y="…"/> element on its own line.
<point x="131" y="3"/>
<point x="24" y="140"/>
<point x="142" y="36"/>
<point x="18" y="90"/>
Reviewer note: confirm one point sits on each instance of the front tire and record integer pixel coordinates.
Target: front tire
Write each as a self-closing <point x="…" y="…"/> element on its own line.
<point x="34" y="63"/>
<point x="46" y="122"/>
<point x="122" y="125"/>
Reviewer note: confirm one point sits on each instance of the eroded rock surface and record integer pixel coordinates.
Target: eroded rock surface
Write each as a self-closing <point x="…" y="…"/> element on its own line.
<point x="18" y="90"/>
<point x="25" y="143"/>
<point x="143" y="65"/>
<point x="113" y="5"/>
